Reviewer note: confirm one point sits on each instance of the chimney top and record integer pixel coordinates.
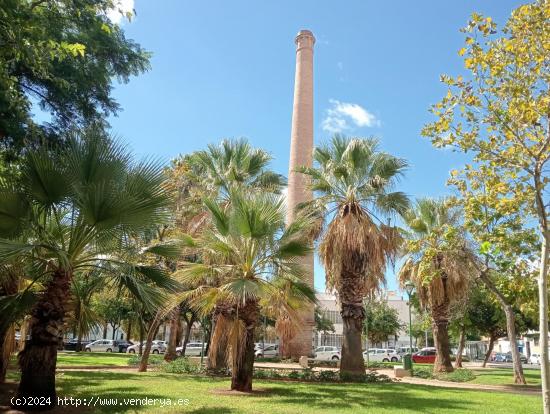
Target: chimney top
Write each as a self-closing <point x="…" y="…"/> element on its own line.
<point x="305" y="35"/>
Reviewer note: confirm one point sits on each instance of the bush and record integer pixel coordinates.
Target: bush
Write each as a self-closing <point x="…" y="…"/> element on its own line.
<point x="307" y="374"/>
<point x="328" y="376"/>
<point x="371" y="377"/>
<point x="423" y="372"/>
<point x="327" y="364"/>
<point x="181" y="366"/>
<point x="294" y="375"/>
<point x="154" y="360"/>
<point x="459" y="375"/>
<point x="378" y="364"/>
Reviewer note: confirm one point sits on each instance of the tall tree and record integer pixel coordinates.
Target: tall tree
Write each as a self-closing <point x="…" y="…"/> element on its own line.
<point x="439" y="263"/>
<point x="255" y="257"/>
<point x="381" y="321"/>
<point x="500" y="113"/>
<point x="231" y="165"/>
<point x="46" y="48"/>
<point x="73" y="210"/>
<point x="353" y="183"/>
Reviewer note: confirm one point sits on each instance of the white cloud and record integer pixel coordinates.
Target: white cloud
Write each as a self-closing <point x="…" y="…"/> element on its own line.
<point x="342" y="116"/>
<point x="120" y="9"/>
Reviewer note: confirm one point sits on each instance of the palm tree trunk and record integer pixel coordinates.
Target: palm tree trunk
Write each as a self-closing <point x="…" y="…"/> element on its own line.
<point x="353" y="315"/>
<point x="38" y="359"/>
<point x="170" y="354"/>
<point x="243" y="354"/>
<point x="219" y="344"/>
<point x="129" y="330"/>
<point x="461" y="344"/>
<point x="8" y="286"/>
<point x="189" y="324"/>
<point x="141" y="336"/>
<point x="7" y="341"/>
<point x="489" y="350"/>
<point x="519" y="378"/>
<point x="440" y="318"/>
<point x="151" y="333"/>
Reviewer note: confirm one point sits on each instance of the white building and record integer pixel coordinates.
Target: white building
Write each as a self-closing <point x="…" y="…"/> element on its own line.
<point x="331" y="309"/>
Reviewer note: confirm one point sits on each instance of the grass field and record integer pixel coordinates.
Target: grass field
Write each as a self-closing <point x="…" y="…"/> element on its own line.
<point x="504" y="376"/>
<point x="209" y="395"/>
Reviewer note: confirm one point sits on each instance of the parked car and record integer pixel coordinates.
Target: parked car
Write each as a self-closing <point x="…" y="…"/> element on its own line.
<point x="406" y="350"/>
<point x="381" y="355"/>
<point x="498" y="357"/>
<point x="192" y="349"/>
<point x="326" y="353"/>
<point x="101" y="345"/>
<point x="157" y="347"/>
<point x="123" y="345"/>
<point x="508" y="358"/>
<point x="268" y="352"/>
<point x="72" y="345"/>
<point x="424" y="356"/>
<point x="260" y="345"/>
<point x="534" y="359"/>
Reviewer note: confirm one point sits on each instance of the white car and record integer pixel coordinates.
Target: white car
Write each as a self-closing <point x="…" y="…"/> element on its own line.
<point x="326" y="353"/>
<point x="534" y="359"/>
<point x="268" y="352"/>
<point x="381" y="355"/>
<point x="157" y="347"/>
<point x="101" y="345"/>
<point x="192" y="349"/>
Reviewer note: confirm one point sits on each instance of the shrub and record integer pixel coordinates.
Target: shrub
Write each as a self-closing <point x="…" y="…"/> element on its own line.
<point x="459" y="375"/>
<point x="423" y="372"/>
<point x="181" y="366"/>
<point x="154" y="360"/>
<point x="373" y="377"/>
<point x="328" y="364"/>
<point x="307" y="374"/>
<point x="328" y="376"/>
<point x="294" y="375"/>
<point x="260" y="374"/>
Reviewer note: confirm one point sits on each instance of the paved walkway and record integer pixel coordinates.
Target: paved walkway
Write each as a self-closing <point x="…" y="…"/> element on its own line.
<point x="515" y="389"/>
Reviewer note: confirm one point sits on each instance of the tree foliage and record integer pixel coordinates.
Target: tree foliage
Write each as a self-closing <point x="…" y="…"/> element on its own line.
<point x="59" y="57"/>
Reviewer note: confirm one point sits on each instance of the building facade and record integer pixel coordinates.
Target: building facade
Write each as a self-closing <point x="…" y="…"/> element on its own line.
<point x="329" y="307"/>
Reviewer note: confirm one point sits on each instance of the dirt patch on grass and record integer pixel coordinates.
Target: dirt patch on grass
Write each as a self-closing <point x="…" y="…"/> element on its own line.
<point x="259" y="392"/>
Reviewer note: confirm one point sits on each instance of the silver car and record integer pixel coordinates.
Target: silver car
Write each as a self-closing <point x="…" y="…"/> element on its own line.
<point x="192" y="349"/>
<point x="268" y="352"/>
<point x="101" y="345"/>
<point x="157" y="347"/>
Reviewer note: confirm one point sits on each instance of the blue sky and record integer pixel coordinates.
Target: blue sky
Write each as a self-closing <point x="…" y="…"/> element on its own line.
<point x="226" y="69"/>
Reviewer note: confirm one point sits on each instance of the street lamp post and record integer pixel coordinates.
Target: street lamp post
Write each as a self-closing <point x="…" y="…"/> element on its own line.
<point x="409" y="288"/>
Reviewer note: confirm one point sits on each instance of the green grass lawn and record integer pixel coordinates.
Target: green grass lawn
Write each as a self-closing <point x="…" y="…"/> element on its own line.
<point x="504" y="376"/>
<point x="208" y="395"/>
<point x="103" y="359"/>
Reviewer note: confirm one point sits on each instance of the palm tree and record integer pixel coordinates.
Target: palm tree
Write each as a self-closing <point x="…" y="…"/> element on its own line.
<point x="232" y="165"/>
<point x="78" y="209"/>
<point x="252" y="255"/>
<point x="439" y="263"/>
<point x="353" y="181"/>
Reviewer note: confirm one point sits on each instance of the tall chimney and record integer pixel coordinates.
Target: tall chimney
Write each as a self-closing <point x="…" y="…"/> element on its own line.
<point x="301" y="153"/>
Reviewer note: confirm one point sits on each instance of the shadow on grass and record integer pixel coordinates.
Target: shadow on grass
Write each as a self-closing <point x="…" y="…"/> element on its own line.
<point x="287" y="397"/>
<point x="360" y="396"/>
